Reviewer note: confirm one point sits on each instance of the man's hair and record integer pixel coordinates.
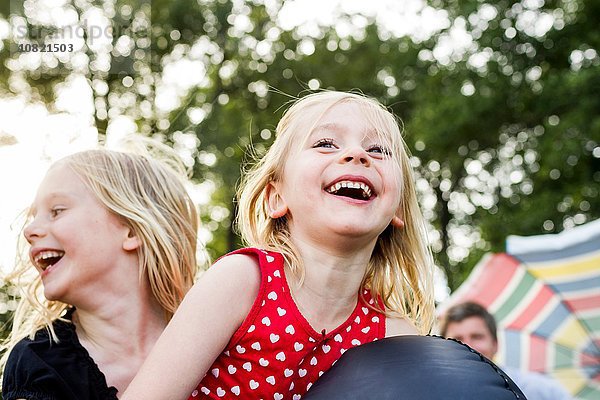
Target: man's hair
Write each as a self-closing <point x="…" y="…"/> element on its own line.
<point x="468" y="309"/>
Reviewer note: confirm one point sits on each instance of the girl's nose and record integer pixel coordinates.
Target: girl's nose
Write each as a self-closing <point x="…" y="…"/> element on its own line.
<point x="34" y="230"/>
<point x="356" y="154"/>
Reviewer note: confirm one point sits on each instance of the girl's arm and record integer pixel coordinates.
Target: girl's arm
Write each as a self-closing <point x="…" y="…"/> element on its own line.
<point x="200" y="329"/>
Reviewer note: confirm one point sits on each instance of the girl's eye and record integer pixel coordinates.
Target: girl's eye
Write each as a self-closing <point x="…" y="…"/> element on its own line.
<point x="377" y="149"/>
<point x="55" y="211"/>
<point x="324" y="143"/>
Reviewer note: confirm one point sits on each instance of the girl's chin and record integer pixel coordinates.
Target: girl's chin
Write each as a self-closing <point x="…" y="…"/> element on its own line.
<point x="51" y="295"/>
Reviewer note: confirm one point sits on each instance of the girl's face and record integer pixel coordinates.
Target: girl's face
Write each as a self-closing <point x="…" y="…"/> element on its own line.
<point x="77" y="245"/>
<point x="342" y="180"/>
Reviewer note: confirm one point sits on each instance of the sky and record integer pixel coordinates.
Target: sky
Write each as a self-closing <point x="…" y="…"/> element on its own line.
<point x="42" y="137"/>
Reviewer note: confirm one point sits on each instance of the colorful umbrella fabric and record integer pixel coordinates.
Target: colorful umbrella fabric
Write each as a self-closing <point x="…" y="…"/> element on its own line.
<point x="545" y="295"/>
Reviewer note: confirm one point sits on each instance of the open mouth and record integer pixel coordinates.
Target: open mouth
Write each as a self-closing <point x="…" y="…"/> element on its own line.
<point x="350" y="189"/>
<point x="46" y="259"/>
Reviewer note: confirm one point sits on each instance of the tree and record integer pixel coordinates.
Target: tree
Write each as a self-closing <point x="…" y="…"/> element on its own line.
<point x="499" y="145"/>
<point x="512" y="152"/>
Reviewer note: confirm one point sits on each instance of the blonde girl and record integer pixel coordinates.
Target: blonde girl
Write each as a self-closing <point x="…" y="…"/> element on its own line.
<point x="338" y="257"/>
<point x="112" y="240"/>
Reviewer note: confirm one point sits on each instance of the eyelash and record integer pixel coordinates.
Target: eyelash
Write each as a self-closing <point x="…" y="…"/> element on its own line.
<point x="331" y="143"/>
<point x="324" y="141"/>
<point x="381" y="150"/>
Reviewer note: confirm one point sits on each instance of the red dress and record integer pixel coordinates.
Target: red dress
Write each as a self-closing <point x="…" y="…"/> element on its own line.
<point x="275" y="353"/>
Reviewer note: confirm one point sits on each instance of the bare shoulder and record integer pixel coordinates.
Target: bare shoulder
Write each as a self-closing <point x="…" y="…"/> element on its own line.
<point x="236" y="277"/>
<point x="398" y="325"/>
<point x="238" y="267"/>
<point x="237" y="272"/>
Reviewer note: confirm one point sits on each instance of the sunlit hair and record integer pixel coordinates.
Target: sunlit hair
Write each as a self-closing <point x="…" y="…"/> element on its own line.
<point x="401" y="266"/>
<point x="145" y="186"/>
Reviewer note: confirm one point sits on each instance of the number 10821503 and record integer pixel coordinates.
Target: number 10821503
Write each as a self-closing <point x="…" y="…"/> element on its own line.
<point x="44" y="47"/>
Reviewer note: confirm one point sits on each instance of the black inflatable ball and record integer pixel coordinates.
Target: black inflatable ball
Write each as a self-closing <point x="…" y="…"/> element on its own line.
<point x="414" y="368"/>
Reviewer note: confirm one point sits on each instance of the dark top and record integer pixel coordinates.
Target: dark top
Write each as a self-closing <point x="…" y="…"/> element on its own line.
<point x="41" y="369"/>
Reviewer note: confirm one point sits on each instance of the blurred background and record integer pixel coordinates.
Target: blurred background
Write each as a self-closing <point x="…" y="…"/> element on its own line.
<point x="500" y="101"/>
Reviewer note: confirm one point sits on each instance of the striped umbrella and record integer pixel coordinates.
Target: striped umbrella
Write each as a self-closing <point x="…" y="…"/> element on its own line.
<point x="545" y="295"/>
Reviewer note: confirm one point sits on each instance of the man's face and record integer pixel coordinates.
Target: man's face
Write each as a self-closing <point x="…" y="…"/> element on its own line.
<point x="473" y="332"/>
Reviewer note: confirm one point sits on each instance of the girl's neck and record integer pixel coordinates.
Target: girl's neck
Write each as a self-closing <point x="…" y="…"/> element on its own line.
<point x="332" y="278"/>
<point x="338" y="270"/>
<point x="116" y="320"/>
<point x="119" y="337"/>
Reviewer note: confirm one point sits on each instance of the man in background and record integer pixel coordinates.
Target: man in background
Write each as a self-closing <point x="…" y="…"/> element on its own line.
<point x="473" y="325"/>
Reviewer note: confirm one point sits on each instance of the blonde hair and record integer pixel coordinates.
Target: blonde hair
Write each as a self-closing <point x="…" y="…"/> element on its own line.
<point x="145" y="186"/>
<point x="400" y="270"/>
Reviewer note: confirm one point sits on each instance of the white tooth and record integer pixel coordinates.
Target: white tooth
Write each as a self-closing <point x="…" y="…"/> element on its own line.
<point x="365" y="189"/>
<point x="344" y="184"/>
<point x="48" y="254"/>
<point x="338" y="186"/>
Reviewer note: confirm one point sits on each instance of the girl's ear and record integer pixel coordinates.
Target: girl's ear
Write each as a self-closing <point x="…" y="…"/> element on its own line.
<point x="397" y="221"/>
<point x="275" y="203"/>
<point x="132" y="241"/>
